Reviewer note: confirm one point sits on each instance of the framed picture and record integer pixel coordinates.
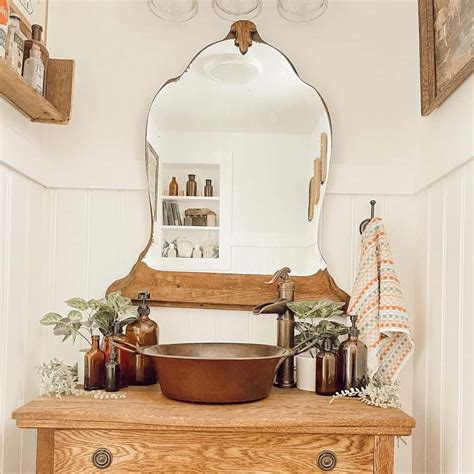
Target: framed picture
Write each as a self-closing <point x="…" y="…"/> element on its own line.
<point x="445" y="49"/>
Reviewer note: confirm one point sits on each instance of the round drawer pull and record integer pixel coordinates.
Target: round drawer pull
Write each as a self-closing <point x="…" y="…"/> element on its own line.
<point x="102" y="458"/>
<point x="326" y="460"/>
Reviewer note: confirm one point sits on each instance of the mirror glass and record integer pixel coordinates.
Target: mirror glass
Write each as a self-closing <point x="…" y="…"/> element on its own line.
<point x="230" y="150"/>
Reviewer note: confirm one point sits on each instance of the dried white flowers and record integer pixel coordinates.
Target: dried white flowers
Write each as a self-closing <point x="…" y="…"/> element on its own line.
<point x="378" y="392"/>
<point x="57" y="378"/>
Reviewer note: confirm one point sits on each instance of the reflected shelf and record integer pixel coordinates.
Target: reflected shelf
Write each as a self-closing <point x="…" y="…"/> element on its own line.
<point x="189" y="198"/>
<point x="188" y="227"/>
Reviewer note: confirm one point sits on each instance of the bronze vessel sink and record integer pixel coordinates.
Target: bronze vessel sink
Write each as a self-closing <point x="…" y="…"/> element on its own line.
<point x="216" y="372"/>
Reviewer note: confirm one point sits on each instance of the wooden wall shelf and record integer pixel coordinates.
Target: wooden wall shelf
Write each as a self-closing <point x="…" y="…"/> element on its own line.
<point x="55" y="107"/>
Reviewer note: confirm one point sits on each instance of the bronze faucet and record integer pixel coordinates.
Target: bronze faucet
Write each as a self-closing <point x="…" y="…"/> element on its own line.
<point x="285" y="377"/>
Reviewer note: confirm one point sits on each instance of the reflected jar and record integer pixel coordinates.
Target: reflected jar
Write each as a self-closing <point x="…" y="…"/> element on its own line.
<point x="142" y="332"/>
<point x="191" y="185"/>
<point x="94" y="365"/>
<point x="173" y="187"/>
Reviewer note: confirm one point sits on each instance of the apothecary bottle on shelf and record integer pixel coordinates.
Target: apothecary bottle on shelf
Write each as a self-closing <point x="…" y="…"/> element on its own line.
<point x="191" y="185"/>
<point x="142" y="332"/>
<point x="33" y="70"/>
<point x="94" y="364"/>
<point x="36" y="40"/>
<point x="15" y="44"/>
<point x="326" y="367"/>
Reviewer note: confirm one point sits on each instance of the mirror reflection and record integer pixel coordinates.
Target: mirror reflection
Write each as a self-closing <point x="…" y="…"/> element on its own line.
<point x="225" y="143"/>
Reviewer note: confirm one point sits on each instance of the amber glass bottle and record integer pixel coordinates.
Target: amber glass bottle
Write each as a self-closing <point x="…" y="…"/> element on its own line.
<point x="94" y="362"/>
<point x="191" y="185"/>
<point x="326" y="368"/>
<point x="352" y="360"/>
<point x="112" y="372"/>
<point x="123" y="357"/>
<point x="142" y="332"/>
<point x="173" y="187"/>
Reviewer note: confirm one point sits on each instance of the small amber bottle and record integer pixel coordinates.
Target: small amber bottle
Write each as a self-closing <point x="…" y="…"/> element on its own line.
<point x="94" y="362"/>
<point x="352" y="360"/>
<point x="326" y="368"/>
<point x="142" y="332"/>
<point x="173" y="187"/>
<point x="112" y="372"/>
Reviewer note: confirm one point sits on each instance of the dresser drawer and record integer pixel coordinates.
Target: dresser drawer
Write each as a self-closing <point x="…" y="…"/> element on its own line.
<point x="185" y="451"/>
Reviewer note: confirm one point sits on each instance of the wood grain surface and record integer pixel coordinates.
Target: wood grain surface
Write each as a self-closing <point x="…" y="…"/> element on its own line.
<point x="383" y="455"/>
<point x="219" y="290"/>
<point x="286" y="411"/>
<point x="53" y="109"/>
<point x="45" y="451"/>
<point x="137" y="451"/>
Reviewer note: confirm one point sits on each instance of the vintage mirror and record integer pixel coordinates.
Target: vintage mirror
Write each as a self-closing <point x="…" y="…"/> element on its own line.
<point x="237" y="155"/>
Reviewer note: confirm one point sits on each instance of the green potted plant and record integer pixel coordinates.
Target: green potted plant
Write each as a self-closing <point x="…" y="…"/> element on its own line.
<point x="88" y="316"/>
<point x="312" y="319"/>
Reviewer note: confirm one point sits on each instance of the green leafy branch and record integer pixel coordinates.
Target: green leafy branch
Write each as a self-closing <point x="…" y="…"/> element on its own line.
<point x="312" y="319"/>
<point x="90" y="315"/>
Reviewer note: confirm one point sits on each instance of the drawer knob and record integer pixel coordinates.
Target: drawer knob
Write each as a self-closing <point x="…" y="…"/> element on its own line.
<point x="327" y="460"/>
<point x="102" y="458"/>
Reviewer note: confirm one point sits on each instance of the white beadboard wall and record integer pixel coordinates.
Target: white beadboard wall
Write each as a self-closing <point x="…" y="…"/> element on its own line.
<point x="57" y="243"/>
<point x="22" y="269"/>
<point x="443" y="373"/>
<point x="96" y="236"/>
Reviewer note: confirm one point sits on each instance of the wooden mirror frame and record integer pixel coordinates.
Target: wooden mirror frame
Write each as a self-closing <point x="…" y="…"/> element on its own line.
<point x="220" y="290"/>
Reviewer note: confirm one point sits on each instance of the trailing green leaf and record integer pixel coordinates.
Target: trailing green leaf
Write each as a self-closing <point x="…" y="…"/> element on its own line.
<point x="50" y="319"/>
<point x="77" y="303"/>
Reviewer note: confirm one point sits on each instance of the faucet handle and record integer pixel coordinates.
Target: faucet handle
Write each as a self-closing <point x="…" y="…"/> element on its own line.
<point x="283" y="274"/>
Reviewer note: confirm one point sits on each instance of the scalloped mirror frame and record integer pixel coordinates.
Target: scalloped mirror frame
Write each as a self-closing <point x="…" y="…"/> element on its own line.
<point x="220" y="290"/>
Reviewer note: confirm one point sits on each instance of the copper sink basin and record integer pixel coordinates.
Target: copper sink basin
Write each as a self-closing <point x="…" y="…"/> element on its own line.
<point x="216" y="372"/>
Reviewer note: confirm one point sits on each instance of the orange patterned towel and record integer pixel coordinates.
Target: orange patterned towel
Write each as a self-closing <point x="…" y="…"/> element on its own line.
<point x="377" y="300"/>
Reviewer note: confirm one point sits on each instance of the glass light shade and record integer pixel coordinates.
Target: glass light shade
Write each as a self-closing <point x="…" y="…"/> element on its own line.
<point x="174" y="10"/>
<point x="237" y="9"/>
<point x="301" y="10"/>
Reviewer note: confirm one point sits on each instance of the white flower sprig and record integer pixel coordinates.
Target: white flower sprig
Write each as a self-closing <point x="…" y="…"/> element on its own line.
<point x="378" y="392"/>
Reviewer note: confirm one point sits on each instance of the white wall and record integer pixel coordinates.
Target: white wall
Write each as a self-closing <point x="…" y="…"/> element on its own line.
<point x="23" y="216"/>
<point x="443" y="380"/>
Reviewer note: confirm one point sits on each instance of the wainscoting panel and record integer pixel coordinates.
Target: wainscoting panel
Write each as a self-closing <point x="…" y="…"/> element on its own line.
<point x="22" y="237"/>
<point x="443" y="375"/>
<point x="96" y="236"/>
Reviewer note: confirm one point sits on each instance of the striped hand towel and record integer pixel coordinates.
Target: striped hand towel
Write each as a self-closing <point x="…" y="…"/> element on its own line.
<point x="378" y="301"/>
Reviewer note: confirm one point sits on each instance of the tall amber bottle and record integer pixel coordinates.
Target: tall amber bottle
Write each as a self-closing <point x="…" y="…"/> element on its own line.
<point x="352" y="360"/>
<point x="142" y="332"/>
<point x="94" y="364"/>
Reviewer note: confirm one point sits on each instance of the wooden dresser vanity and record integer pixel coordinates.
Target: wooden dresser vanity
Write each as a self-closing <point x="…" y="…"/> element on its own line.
<point x="291" y="431"/>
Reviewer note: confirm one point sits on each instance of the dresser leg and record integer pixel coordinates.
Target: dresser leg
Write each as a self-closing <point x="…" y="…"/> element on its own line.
<point x="45" y="451"/>
<point x="383" y="455"/>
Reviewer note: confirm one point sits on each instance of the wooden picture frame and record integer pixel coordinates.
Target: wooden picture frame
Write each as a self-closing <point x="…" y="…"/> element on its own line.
<point x="444" y="62"/>
<point x="221" y="290"/>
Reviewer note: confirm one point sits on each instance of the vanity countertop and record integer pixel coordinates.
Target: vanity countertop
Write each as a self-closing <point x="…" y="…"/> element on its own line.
<point x="289" y="411"/>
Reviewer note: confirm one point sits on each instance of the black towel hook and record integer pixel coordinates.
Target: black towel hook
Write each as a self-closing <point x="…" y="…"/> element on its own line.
<point x="365" y="222"/>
